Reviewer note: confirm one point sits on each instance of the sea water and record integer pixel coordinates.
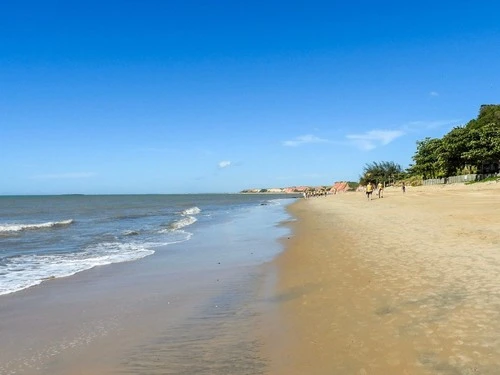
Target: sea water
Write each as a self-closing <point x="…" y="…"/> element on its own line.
<point x="47" y="237"/>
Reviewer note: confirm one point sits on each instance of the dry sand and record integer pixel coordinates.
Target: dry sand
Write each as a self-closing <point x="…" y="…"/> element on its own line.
<point x="407" y="284"/>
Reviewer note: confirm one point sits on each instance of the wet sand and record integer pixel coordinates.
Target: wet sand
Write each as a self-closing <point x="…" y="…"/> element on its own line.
<point x="407" y="284"/>
<point x="190" y="323"/>
<point x="190" y="308"/>
<point x="153" y="316"/>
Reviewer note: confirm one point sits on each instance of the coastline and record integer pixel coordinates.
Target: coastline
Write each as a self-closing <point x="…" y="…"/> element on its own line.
<point x="191" y="307"/>
<point x="407" y="284"/>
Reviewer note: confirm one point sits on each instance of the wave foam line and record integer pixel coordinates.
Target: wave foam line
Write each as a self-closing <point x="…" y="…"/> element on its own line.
<point x="25" y="271"/>
<point x="21" y="227"/>
<point x="187" y="219"/>
<point x="191" y="211"/>
<point x="176" y="225"/>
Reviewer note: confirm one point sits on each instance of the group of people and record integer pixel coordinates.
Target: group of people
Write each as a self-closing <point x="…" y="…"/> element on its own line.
<point x="380" y="188"/>
<point x="314" y="193"/>
<point x="370" y="187"/>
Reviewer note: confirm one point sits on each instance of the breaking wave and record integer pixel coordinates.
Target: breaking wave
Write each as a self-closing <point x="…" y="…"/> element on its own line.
<point x="12" y="228"/>
<point x="28" y="270"/>
<point x="184" y="222"/>
<point x="191" y="211"/>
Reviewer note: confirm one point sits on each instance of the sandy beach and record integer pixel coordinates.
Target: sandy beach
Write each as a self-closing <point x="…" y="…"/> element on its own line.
<point x="407" y="284"/>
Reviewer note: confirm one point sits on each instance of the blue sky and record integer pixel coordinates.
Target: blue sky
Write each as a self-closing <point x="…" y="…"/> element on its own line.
<point x="219" y="96"/>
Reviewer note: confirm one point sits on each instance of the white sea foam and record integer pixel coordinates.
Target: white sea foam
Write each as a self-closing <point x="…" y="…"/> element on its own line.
<point x="24" y="271"/>
<point x="191" y="211"/>
<point x="176" y="236"/>
<point x="29" y="270"/>
<point x="6" y="228"/>
<point x="184" y="222"/>
<point x="274" y="202"/>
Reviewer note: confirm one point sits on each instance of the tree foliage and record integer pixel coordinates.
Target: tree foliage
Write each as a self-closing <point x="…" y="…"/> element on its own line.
<point x="484" y="145"/>
<point x="453" y="146"/>
<point x="488" y="114"/>
<point x="470" y="146"/>
<point x="427" y="161"/>
<point x="384" y="172"/>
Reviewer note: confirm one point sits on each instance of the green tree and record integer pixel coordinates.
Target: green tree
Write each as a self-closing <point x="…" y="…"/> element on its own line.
<point x="426" y="158"/>
<point x="472" y="145"/>
<point x="483" y="145"/>
<point x="488" y="114"/>
<point x="452" y="149"/>
<point x="392" y="171"/>
<point x="385" y="172"/>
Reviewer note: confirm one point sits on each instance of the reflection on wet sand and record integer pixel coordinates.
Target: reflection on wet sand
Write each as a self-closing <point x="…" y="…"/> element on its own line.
<point x="217" y="339"/>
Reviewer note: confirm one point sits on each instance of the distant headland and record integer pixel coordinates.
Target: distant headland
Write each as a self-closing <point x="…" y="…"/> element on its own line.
<point x="336" y="187"/>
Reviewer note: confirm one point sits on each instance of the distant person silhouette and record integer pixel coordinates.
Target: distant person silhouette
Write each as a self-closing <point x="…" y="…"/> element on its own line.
<point x="369" y="191"/>
<point x="403" y="188"/>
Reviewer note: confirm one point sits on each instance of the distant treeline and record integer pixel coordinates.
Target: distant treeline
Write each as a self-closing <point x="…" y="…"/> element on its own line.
<point x="471" y="148"/>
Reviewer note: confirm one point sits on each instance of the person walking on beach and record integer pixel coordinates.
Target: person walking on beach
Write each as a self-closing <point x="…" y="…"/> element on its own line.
<point x="369" y="191"/>
<point x="380" y="190"/>
<point x="403" y="188"/>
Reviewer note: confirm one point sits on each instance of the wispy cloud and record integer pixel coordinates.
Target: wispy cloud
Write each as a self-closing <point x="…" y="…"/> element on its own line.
<point x="377" y="138"/>
<point x="374" y="138"/>
<point x="303" y="139"/>
<point x="224" y="164"/>
<point x="434" y="93"/>
<point x="57" y="176"/>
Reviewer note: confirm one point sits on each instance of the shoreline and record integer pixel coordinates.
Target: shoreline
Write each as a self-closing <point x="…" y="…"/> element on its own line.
<point x="189" y="308"/>
<point x="407" y="284"/>
<point x="130" y="318"/>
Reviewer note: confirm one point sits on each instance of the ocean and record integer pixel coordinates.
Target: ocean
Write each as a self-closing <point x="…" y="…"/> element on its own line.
<point x="49" y="237"/>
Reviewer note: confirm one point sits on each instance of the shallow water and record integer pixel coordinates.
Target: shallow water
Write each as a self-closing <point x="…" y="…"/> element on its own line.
<point x="191" y="307"/>
<point x="47" y="237"/>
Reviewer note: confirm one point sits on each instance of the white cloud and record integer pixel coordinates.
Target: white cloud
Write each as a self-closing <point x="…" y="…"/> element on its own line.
<point x="303" y="139"/>
<point x="58" y="176"/>
<point x="374" y="138"/>
<point x="224" y="164"/>
<point x="434" y="93"/>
